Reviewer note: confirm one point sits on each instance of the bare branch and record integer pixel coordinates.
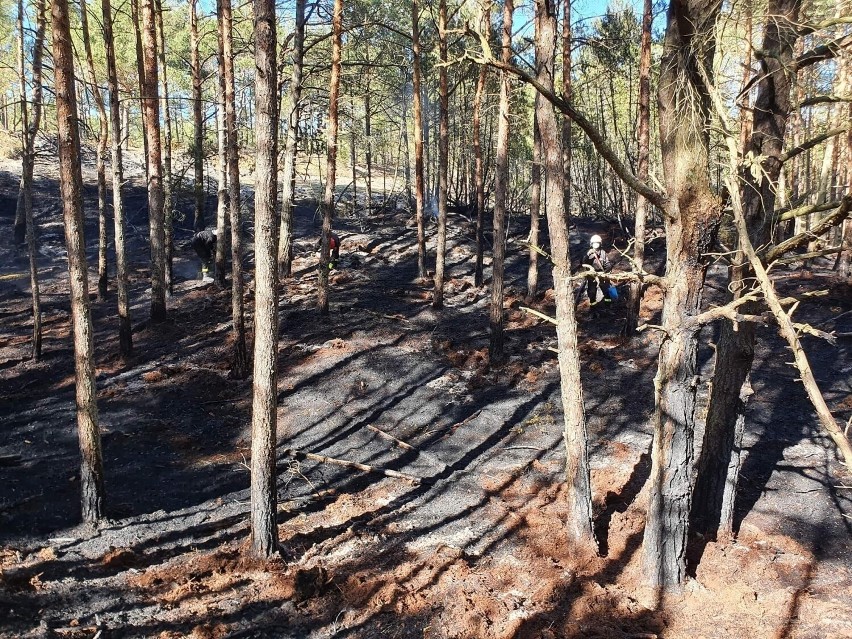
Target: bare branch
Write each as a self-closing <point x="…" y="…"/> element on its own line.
<point x="812" y="143"/>
<point x="656" y="198"/>
<point x="797" y="241"/>
<point x="788" y="214"/>
<point x="825" y="51"/>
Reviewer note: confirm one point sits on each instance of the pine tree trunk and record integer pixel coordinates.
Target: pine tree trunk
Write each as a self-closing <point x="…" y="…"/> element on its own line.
<point x="535" y="209"/>
<point x="222" y="243"/>
<point x="167" y="157"/>
<point x="151" y="108"/>
<point x="566" y="95"/>
<point x="140" y="72"/>
<point x="331" y="158"/>
<point x="71" y="184"/>
<point x="691" y="217"/>
<point x="288" y="189"/>
<point x="197" y="118"/>
<point x="501" y="193"/>
<point x="419" y="177"/>
<point x="368" y="150"/>
<point x="443" y="152"/>
<point x="264" y="489"/>
<point x="718" y="465"/>
<point x="100" y="153"/>
<point x="634" y="298"/>
<point x="577" y="474"/>
<point x="30" y="128"/>
<point x="239" y="363"/>
<point x="479" y="172"/>
<point x="125" y="334"/>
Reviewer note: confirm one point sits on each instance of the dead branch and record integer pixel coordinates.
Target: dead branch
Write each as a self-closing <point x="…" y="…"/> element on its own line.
<point x="809" y="256"/>
<point x="789" y="155"/>
<point x="789" y="214"/>
<point x="829" y="221"/>
<point x="728" y="311"/>
<point x="407" y="446"/>
<point x="785" y="323"/>
<point x="300" y="454"/>
<point x="825" y="51"/>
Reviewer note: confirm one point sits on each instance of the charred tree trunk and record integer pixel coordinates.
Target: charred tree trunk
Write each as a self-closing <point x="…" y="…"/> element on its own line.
<point x="239" y="362"/>
<point x="156" y="214"/>
<point x="566" y="95"/>
<point x="501" y="194"/>
<point x="30" y="128"/>
<point x="718" y="465"/>
<point x="197" y="119"/>
<point x="222" y="242"/>
<point x="419" y="177"/>
<point x="168" y="213"/>
<point x="478" y="172"/>
<point x="577" y="473"/>
<point x="535" y="208"/>
<point x="331" y="158"/>
<point x="634" y="299"/>
<point x="103" y="136"/>
<point x="443" y="158"/>
<point x="140" y="72"/>
<point x="71" y="185"/>
<point x="692" y="213"/>
<point x="125" y="333"/>
<point x="264" y="489"/>
<point x="288" y="189"/>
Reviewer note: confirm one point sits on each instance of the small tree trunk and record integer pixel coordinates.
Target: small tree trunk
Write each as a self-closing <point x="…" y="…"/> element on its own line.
<point x="71" y="183"/>
<point x="264" y="489"/>
<point x="197" y="119"/>
<point x="535" y="209"/>
<point x="368" y="149"/>
<point x="155" y="178"/>
<point x="566" y="95"/>
<point x="331" y="158"/>
<point x="140" y="72"/>
<point x="634" y="298"/>
<point x="239" y="363"/>
<point x="125" y="334"/>
<point x="288" y="188"/>
<point x="501" y="193"/>
<point x="419" y="178"/>
<point x="103" y="136"/>
<point x="222" y="242"/>
<point x="443" y="153"/>
<point x="577" y="474"/>
<point x="479" y="172"/>
<point x="167" y="157"/>
<point x="30" y="129"/>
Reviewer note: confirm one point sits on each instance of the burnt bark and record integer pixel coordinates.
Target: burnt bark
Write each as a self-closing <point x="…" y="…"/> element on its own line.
<point x="288" y="189"/>
<point x="151" y="113"/>
<point x="331" y="157"/>
<point x="634" y="297"/>
<point x="691" y="213"/>
<point x="30" y="128"/>
<point x="718" y="465"/>
<point x="71" y="186"/>
<point x="443" y="158"/>
<point x="577" y="474"/>
<point x="501" y="192"/>
<point x="239" y="355"/>
<point x="125" y="333"/>
<point x="419" y="178"/>
<point x="197" y="118"/>
<point x="264" y="490"/>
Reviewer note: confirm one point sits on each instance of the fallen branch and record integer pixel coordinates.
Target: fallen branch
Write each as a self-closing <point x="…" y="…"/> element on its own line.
<point x="300" y="454"/>
<point x="406" y="446"/>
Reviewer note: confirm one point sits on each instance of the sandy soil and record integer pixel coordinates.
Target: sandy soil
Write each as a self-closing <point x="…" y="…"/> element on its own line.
<point x="475" y="547"/>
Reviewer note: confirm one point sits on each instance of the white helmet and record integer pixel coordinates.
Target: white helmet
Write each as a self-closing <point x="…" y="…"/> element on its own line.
<point x="595" y="239"/>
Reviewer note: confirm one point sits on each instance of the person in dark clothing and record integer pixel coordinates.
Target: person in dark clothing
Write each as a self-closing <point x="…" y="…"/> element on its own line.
<point x="599" y="288"/>
<point x="204" y="244"/>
